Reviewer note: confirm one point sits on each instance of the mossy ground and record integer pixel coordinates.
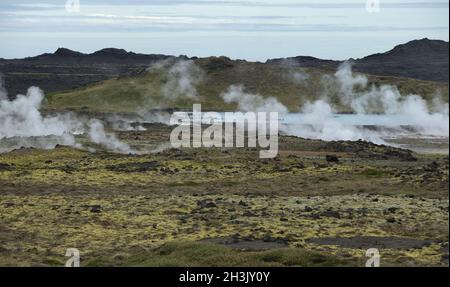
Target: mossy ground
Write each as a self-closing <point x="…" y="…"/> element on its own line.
<point x="154" y="209"/>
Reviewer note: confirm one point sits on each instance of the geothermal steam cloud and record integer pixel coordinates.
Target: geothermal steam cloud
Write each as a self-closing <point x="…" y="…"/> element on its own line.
<point x="183" y="77"/>
<point x="20" y="119"/>
<point x="180" y="81"/>
<point x="318" y="121"/>
<point x="252" y="102"/>
<point x="22" y="124"/>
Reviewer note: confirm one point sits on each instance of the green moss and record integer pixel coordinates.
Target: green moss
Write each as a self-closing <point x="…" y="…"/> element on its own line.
<point x="195" y="254"/>
<point x="371" y="172"/>
<point x="47" y="198"/>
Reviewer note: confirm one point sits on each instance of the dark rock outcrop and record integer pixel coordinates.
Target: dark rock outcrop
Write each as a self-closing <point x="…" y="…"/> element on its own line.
<point x="66" y="69"/>
<point x="423" y="59"/>
<point x="419" y="59"/>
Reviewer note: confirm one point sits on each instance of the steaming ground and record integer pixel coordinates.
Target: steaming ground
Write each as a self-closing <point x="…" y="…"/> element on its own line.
<point x="381" y="114"/>
<point x="407" y="118"/>
<point x="23" y="125"/>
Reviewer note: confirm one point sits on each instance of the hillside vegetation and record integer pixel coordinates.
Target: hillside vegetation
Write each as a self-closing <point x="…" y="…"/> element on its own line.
<point x="292" y="86"/>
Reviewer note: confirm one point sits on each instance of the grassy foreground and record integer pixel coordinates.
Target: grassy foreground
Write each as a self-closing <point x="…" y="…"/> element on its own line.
<point x="222" y="207"/>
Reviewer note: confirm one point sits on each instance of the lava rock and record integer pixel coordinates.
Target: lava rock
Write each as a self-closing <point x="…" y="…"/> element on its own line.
<point x="206" y="203"/>
<point x="331" y="213"/>
<point x="308" y="209"/>
<point x="96" y="209"/>
<point x="332" y="158"/>
<point x="4" y="167"/>
<point x="390" y="220"/>
<point x="242" y="203"/>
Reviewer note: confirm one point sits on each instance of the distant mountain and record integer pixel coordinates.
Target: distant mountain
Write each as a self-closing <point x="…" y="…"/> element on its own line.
<point x="305" y="61"/>
<point x="105" y="56"/>
<point x="423" y="59"/>
<point x="419" y="59"/>
<point x="66" y="70"/>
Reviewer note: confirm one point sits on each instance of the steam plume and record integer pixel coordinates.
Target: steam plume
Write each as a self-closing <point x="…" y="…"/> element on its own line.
<point x="252" y="102"/>
<point x="22" y="124"/>
<point x="98" y="136"/>
<point x="183" y="79"/>
<point x="319" y="122"/>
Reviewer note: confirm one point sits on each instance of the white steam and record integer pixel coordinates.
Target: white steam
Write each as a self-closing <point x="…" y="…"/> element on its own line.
<point x="348" y="82"/>
<point x="156" y="117"/>
<point x="252" y="102"/>
<point x="23" y="125"/>
<point x="298" y="77"/>
<point x="318" y="120"/>
<point x="109" y="141"/>
<point x="182" y="79"/>
<point x="122" y="123"/>
<point x="21" y="118"/>
<point x="179" y="78"/>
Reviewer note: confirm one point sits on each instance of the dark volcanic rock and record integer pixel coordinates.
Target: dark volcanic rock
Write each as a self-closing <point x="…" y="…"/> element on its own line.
<point x="4" y="166"/>
<point x="391" y="210"/>
<point x="242" y="203"/>
<point x="330" y="213"/>
<point x="9" y="204"/>
<point x="332" y="158"/>
<point x="206" y="203"/>
<point x="390" y="220"/>
<point x="306" y="61"/>
<point x="444" y="250"/>
<point x="96" y="209"/>
<point x="423" y="59"/>
<point x="218" y="63"/>
<point x="369" y="150"/>
<point x="66" y="69"/>
<point x="308" y="209"/>
<point x="134" y="167"/>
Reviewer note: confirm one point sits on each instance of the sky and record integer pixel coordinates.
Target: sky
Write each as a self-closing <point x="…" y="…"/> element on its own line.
<point x="254" y="30"/>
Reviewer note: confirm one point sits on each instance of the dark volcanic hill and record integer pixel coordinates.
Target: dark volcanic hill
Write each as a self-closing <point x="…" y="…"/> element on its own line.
<point x="306" y="61"/>
<point x="419" y="59"/>
<point x="66" y="69"/>
<point x="423" y="59"/>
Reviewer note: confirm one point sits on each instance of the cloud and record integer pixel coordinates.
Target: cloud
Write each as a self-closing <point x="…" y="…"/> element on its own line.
<point x="288" y="20"/>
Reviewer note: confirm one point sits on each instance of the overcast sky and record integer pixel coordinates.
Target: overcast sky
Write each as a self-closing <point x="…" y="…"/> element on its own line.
<point x="247" y="29"/>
